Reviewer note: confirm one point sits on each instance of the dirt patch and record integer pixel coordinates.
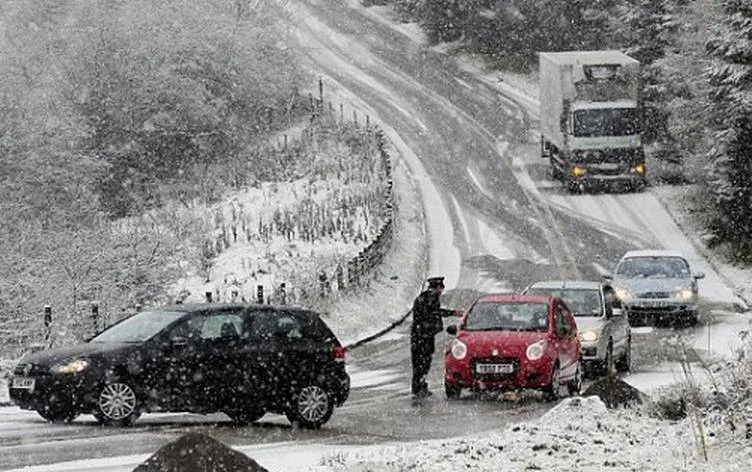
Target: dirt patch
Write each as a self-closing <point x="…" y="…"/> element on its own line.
<point x="615" y="393"/>
<point x="195" y="452"/>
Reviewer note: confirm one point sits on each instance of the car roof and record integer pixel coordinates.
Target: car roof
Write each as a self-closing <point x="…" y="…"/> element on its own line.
<point x="653" y="253"/>
<point x="201" y="307"/>
<point x="574" y="284"/>
<point x="514" y="298"/>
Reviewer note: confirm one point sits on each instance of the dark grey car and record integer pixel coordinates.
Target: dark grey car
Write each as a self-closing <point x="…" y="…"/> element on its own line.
<point x="242" y="360"/>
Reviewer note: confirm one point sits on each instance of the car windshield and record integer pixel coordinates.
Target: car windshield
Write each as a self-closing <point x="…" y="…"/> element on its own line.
<point x="653" y="267"/>
<point x="138" y="328"/>
<point x="507" y="316"/>
<point x="582" y="302"/>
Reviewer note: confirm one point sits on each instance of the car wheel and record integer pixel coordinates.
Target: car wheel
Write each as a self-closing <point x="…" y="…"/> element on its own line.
<point x="117" y="404"/>
<point x="452" y="391"/>
<point x="575" y="385"/>
<point x="625" y="362"/>
<point x="54" y="415"/>
<point x="553" y="391"/>
<point x="312" y="406"/>
<point x="692" y="319"/>
<point x="246" y="416"/>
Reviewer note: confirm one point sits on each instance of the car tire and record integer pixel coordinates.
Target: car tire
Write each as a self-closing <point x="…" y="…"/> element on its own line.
<point x="311" y="407"/>
<point x="574" y="387"/>
<point x="624" y="364"/>
<point x="117" y="404"/>
<point x="692" y="319"/>
<point x="552" y="391"/>
<point x="246" y="416"/>
<point x="54" y="415"/>
<point x="452" y="391"/>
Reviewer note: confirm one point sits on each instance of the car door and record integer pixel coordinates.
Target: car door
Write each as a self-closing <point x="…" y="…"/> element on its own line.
<point x="565" y="329"/>
<point x="220" y="362"/>
<point x="198" y="362"/>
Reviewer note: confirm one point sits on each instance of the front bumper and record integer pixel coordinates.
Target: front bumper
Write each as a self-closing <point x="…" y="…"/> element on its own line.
<point x="525" y="374"/>
<point x="660" y="308"/>
<point x="58" y="392"/>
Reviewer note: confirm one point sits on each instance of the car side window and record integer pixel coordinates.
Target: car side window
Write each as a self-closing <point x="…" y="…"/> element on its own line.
<point x="273" y="324"/>
<point x="210" y="327"/>
<point x="222" y="326"/>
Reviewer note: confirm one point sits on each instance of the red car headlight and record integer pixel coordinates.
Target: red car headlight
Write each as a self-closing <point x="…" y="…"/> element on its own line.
<point x="535" y="351"/>
<point x="458" y="349"/>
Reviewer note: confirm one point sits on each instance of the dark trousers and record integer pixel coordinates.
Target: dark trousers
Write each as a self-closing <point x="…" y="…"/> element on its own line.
<point x="421" y="350"/>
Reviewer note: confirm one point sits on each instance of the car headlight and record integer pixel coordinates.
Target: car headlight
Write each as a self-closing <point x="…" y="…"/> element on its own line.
<point x="589" y="335"/>
<point x="71" y="367"/>
<point x="685" y="294"/>
<point x="535" y="351"/>
<point x="459" y="349"/>
<point x="578" y="171"/>
<point x="623" y="294"/>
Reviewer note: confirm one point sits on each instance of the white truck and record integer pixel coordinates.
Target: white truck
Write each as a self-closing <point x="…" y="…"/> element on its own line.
<point x="590" y="119"/>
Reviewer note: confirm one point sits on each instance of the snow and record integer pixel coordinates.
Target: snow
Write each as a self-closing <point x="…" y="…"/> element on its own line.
<point x="577" y="434"/>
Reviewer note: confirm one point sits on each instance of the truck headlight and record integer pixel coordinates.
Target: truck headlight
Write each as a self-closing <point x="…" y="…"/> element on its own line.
<point x="589" y="336"/>
<point x="535" y="351"/>
<point x="71" y="367"/>
<point x="639" y="169"/>
<point x="459" y="349"/>
<point x="685" y="294"/>
<point x="578" y="171"/>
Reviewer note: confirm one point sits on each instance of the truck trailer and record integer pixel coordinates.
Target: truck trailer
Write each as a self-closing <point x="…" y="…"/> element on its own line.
<point x="590" y="119"/>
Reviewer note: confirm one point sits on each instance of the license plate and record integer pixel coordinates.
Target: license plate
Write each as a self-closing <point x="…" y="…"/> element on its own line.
<point x="654" y="303"/>
<point x="23" y="382"/>
<point x="494" y="368"/>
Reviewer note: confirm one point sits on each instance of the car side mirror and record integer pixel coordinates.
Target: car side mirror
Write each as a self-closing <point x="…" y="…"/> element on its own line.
<point x="607" y="277"/>
<point x="700" y="275"/>
<point x="452" y="329"/>
<point x="562" y="332"/>
<point x="609" y="311"/>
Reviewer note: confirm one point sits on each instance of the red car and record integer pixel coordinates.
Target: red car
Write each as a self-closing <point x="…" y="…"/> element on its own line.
<point x="509" y="342"/>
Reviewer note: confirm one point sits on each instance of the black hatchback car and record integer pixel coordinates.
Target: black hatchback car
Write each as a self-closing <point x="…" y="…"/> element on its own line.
<point x="242" y="360"/>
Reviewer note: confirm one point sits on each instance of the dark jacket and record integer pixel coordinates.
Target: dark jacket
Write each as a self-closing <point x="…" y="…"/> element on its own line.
<point x="427" y="314"/>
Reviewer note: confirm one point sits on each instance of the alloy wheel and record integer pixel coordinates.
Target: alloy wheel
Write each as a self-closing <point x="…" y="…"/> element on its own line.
<point x="117" y="401"/>
<point x="313" y="404"/>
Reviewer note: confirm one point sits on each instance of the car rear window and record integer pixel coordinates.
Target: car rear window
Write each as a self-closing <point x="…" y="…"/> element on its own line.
<point x="582" y="302"/>
<point x="507" y="316"/>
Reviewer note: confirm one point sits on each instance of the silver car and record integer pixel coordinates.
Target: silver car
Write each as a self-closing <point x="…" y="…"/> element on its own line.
<point x="603" y="331"/>
<point x="656" y="285"/>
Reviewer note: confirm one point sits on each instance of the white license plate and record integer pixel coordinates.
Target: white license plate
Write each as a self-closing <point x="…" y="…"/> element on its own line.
<point x="654" y="303"/>
<point x="23" y="382"/>
<point x="494" y="368"/>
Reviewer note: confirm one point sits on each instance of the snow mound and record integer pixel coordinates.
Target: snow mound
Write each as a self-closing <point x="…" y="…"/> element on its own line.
<point x="198" y="452"/>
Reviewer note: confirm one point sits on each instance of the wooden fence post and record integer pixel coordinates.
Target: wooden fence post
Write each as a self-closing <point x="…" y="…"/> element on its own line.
<point x="47" y="325"/>
<point x="95" y="317"/>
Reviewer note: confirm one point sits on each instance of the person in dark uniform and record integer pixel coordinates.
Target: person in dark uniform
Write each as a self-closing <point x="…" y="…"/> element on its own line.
<point x="427" y="323"/>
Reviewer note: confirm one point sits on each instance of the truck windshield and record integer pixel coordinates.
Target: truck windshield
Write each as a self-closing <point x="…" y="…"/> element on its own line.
<point x="606" y="122"/>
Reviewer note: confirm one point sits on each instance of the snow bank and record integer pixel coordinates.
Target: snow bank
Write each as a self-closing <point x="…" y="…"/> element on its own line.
<point x="577" y="434"/>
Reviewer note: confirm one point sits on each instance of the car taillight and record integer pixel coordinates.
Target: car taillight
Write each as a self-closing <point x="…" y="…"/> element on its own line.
<point x="339" y="353"/>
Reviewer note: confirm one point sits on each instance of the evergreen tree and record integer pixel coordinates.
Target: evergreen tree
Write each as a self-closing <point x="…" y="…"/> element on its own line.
<point x="730" y="160"/>
<point x="644" y="29"/>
